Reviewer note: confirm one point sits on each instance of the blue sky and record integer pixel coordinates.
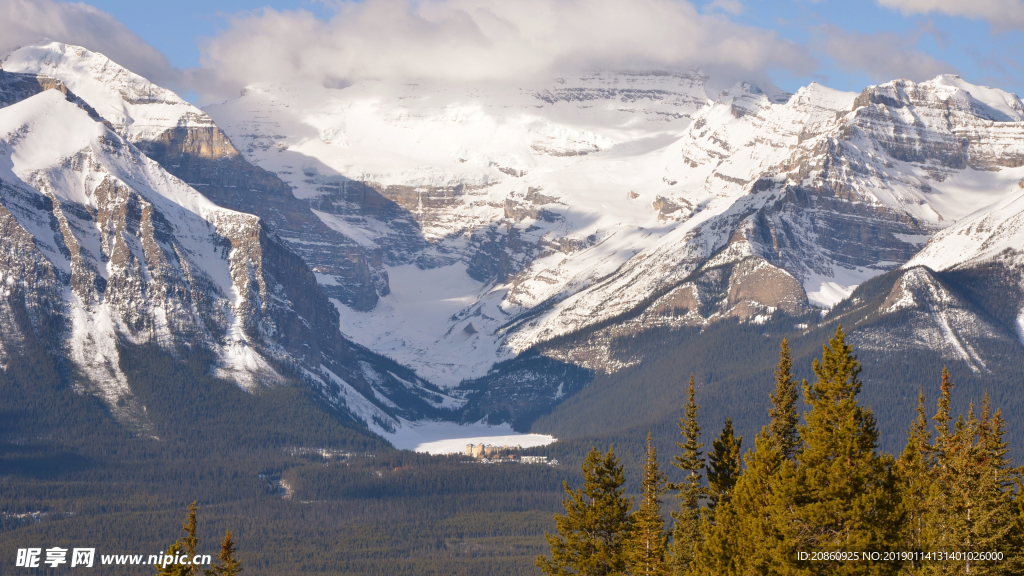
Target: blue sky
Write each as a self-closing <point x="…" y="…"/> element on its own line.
<point x="177" y="28"/>
<point x="967" y="46"/>
<point x="214" y="46"/>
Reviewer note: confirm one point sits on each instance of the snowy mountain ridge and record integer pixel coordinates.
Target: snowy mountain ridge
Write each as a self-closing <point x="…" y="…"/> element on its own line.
<point x="105" y="252"/>
<point x="454" y="227"/>
<point x="632" y="194"/>
<point x="993" y="232"/>
<point x="137" y="109"/>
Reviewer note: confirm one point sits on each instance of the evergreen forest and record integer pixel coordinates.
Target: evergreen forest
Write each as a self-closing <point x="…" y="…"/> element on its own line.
<point x="813" y="496"/>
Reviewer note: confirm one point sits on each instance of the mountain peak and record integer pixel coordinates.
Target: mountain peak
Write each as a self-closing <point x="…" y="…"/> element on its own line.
<point x="948" y="91"/>
<point x="119" y="95"/>
<point x="57" y="59"/>
<point x="1002" y="101"/>
<point x="52" y="129"/>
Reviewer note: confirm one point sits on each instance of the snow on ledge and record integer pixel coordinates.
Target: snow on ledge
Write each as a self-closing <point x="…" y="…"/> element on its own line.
<point x="827" y="291"/>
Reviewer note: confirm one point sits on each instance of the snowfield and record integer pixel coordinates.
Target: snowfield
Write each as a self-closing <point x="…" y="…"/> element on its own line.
<point x="451" y="438"/>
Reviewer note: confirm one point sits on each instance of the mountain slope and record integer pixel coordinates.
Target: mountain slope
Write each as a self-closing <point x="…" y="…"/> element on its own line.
<point x="510" y="242"/>
<point x="106" y="252"/>
<point x="186" y="142"/>
<point x="565" y="208"/>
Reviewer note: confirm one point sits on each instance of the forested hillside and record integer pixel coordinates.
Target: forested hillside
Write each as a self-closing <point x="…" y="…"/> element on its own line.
<point x="810" y="496"/>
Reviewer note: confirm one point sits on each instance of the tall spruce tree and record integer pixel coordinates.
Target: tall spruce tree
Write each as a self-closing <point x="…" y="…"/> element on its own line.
<point x="913" y="472"/>
<point x="744" y="539"/>
<point x="841" y="495"/>
<point x="175" y="569"/>
<point x="228" y="565"/>
<point x="686" y="530"/>
<point x="648" y="541"/>
<point x="972" y="507"/>
<point x="783" y="412"/>
<point x="185" y="546"/>
<point x="190" y="542"/>
<point x="996" y="496"/>
<point x="941" y="454"/>
<point x="724" y="465"/>
<point x="592" y="534"/>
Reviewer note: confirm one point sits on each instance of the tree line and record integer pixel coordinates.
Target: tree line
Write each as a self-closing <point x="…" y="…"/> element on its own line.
<point x="813" y="496"/>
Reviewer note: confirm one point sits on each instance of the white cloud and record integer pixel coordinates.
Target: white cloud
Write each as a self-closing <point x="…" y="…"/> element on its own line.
<point x="882" y="56"/>
<point x="27" y="21"/>
<point x="730" y="6"/>
<point x="492" y="40"/>
<point x="1001" y="14"/>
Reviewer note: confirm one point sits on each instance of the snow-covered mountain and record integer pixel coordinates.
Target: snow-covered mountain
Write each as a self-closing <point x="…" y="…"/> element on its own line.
<point x="509" y="216"/>
<point x="498" y="239"/>
<point x="964" y="291"/>
<point x="994" y="233"/>
<point x="186" y="142"/>
<point x="105" y="252"/>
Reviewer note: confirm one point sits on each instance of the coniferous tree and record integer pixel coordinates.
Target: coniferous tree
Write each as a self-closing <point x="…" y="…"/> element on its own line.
<point x="175" y="569"/>
<point x="958" y="493"/>
<point x="914" y="476"/>
<point x="686" y="530"/>
<point x="185" y="546"/>
<point x="724" y="465"/>
<point x="996" y="497"/>
<point x="190" y="542"/>
<point x="783" y="413"/>
<point x="744" y="539"/>
<point x="229" y="565"/>
<point x="972" y="505"/>
<point x="942" y="451"/>
<point x="591" y="535"/>
<point x="840" y="495"/>
<point x="648" y="541"/>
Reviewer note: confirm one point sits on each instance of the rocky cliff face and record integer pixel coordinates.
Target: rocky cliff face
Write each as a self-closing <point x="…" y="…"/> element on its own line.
<point x="187" y="143"/>
<point x="105" y="251"/>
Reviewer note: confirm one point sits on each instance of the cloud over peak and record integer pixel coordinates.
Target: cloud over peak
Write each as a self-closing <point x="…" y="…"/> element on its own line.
<point x="1003" y="15"/>
<point x="25" y="22"/>
<point x="475" y="40"/>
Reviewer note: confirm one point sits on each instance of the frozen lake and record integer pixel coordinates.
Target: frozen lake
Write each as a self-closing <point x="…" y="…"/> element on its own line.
<point x="448" y="437"/>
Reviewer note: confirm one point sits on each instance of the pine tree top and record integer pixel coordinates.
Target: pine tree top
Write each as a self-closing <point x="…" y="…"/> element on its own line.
<point x="783" y="412"/>
<point x="725" y="464"/>
<point x="836" y="426"/>
<point x="229" y="565"/>
<point x="918" y="437"/>
<point x="653" y="485"/>
<point x="942" y="417"/>
<point x="190" y="542"/>
<point x="648" y="542"/>
<point x="692" y="458"/>
<point x="591" y="535"/>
